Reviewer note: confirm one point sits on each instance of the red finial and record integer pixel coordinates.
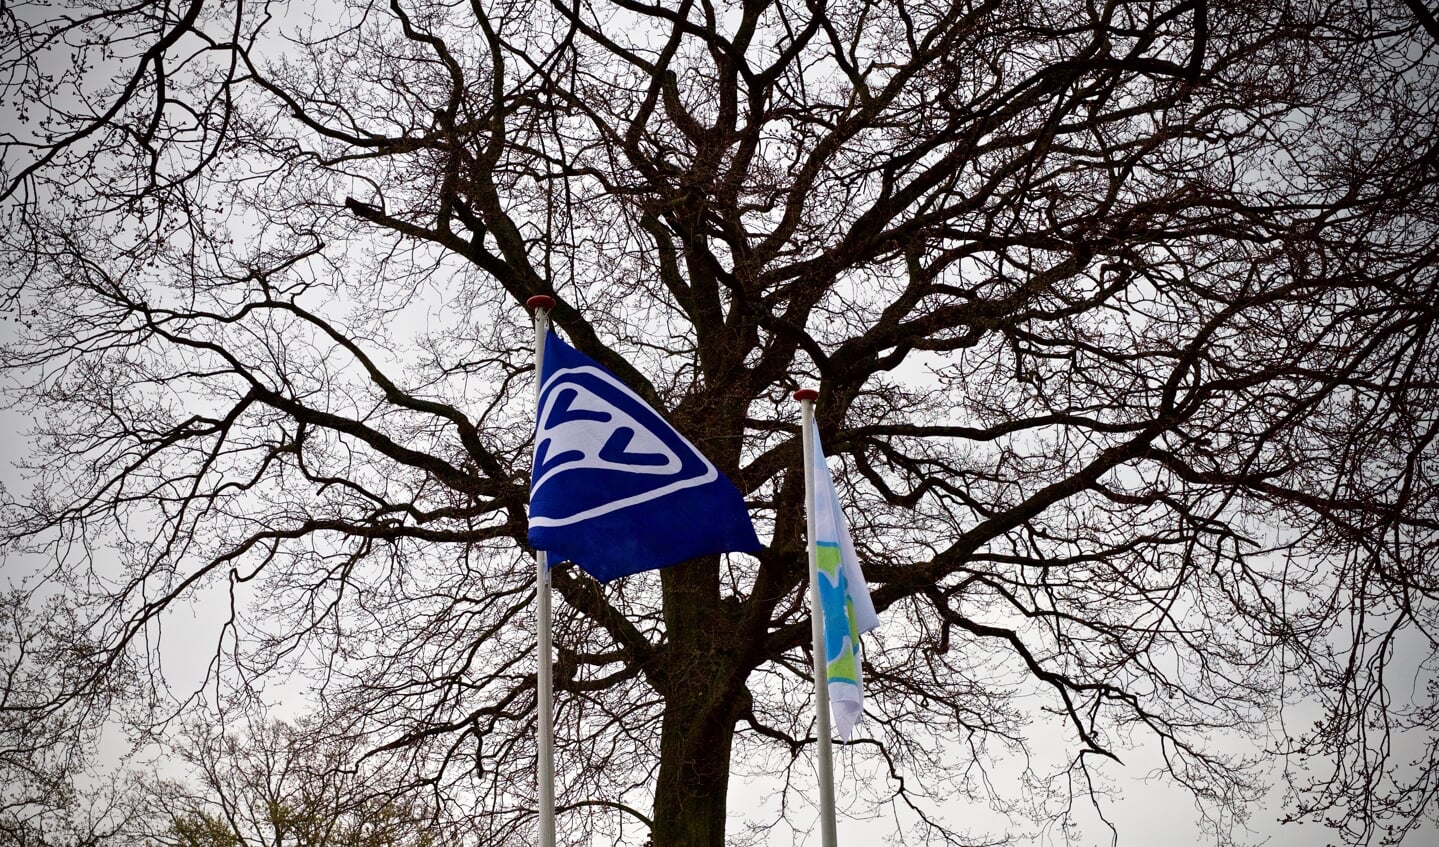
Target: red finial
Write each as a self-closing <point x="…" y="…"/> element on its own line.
<point x="806" y="394"/>
<point x="541" y="301"/>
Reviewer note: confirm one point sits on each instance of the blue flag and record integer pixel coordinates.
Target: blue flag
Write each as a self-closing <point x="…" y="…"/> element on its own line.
<point x="614" y="488"/>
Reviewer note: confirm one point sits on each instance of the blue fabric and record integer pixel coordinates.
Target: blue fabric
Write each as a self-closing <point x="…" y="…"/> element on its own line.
<point x="614" y="488"/>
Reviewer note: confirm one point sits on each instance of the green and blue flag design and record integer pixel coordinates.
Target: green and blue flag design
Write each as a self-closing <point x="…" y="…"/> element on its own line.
<point x="844" y="599"/>
<point x="616" y="489"/>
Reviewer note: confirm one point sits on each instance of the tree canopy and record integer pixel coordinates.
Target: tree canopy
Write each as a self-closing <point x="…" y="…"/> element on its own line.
<point x="1122" y="316"/>
<point x="277" y="784"/>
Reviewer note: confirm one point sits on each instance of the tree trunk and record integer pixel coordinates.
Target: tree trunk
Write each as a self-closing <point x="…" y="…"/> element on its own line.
<point x="697" y="731"/>
<point x="694" y="776"/>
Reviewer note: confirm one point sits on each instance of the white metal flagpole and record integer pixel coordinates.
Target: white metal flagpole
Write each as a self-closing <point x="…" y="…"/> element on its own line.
<point x="806" y="398"/>
<point x="544" y="676"/>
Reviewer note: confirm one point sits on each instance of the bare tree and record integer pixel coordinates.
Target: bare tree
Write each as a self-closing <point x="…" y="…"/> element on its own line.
<point x="278" y="785"/>
<point x="1122" y="316"/>
<point x="50" y="795"/>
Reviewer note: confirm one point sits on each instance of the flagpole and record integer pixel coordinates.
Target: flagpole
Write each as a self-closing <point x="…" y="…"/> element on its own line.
<point x="544" y="676"/>
<point x="806" y="398"/>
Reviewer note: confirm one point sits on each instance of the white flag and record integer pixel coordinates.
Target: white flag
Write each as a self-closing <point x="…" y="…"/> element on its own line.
<point x="844" y="597"/>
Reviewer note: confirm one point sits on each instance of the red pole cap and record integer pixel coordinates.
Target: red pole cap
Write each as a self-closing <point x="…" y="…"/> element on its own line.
<point x="541" y="301"/>
<point x="806" y="394"/>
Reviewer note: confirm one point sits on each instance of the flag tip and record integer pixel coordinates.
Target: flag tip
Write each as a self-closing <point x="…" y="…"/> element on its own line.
<point x="541" y="301"/>
<point x="806" y="394"/>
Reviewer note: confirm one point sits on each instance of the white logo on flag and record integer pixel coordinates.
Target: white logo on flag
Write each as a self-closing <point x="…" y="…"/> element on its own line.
<point x="589" y="421"/>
